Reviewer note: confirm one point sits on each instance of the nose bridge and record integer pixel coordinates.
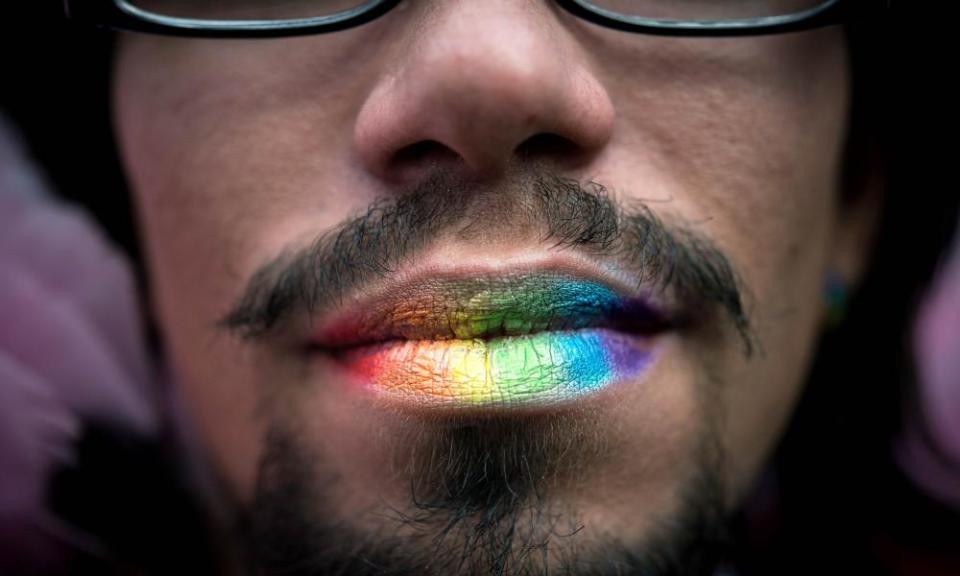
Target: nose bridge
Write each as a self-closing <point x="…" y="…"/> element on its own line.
<point x="478" y="79"/>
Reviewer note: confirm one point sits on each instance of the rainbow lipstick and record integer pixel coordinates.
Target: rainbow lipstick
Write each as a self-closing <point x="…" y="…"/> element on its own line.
<point x="516" y="341"/>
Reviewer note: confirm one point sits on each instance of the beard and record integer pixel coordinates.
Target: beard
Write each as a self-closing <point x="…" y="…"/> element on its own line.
<point x="488" y="495"/>
<point x="485" y="498"/>
<point x="509" y="495"/>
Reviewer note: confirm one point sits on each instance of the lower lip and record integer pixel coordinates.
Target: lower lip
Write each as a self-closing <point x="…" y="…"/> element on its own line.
<point x="544" y="369"/>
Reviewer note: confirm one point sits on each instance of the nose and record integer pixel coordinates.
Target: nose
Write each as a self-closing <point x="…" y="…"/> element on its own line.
<point x="479" y="85"/>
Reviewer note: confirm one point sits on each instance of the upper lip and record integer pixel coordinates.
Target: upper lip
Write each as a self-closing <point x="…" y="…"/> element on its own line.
<point x="490" y="304"/>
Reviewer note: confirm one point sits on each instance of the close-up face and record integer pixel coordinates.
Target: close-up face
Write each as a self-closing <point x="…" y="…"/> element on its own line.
<point x="482" y="286"/>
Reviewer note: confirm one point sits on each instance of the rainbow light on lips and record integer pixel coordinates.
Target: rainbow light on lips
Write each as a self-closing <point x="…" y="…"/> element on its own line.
<point x="521" y="341"/>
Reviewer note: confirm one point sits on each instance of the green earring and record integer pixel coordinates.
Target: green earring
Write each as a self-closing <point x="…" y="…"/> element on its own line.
<point x="835" y="298"/>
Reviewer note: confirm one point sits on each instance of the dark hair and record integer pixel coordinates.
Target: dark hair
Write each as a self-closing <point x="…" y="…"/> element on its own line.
<point x="839" y="485"/>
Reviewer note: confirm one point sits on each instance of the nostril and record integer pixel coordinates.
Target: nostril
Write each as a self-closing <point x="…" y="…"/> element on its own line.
<point x="414" y="160"/>
<point x="423" y="154"/>
<point x="545" y="146"/>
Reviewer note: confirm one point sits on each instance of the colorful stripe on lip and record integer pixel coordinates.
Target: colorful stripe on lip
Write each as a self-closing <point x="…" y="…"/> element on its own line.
<point x="506" y="341"/>
<point x="537" y="370"/>
<point x="489" y="307"/>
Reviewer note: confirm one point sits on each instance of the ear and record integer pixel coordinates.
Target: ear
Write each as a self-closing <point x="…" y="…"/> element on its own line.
<point x="857" y="224"/>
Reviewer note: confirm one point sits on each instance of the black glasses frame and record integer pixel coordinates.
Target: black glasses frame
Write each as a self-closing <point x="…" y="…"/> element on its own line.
<point x="110" y="14"/>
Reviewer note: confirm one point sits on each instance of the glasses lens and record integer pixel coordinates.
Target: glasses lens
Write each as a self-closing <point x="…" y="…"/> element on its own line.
<point x="241" y="10"/>
<point x="705" y="10"/>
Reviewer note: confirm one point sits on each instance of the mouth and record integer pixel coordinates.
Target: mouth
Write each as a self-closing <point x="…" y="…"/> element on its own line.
<point x="512" y="341"/>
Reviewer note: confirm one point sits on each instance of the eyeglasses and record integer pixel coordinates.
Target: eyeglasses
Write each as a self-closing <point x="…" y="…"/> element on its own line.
<point x="277" y="18"/>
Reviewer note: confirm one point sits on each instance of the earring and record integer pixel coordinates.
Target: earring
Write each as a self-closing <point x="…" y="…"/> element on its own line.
<point x="835" y="298"/>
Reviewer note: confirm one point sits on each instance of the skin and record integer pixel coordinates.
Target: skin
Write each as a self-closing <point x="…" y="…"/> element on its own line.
<point x="235" y="149"/>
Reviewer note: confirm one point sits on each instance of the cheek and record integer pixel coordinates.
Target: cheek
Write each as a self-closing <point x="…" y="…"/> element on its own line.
<point x="230" y="157"/>
<point x="775" y="211"/>
<point x="182" y="198"/>
<point x="236" y="148"/>
<point x="157" y="137"/>
<point x="211" y="161"/>
<point x="744" y="143"/>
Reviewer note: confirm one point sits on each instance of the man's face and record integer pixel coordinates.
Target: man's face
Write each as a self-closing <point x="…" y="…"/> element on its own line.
<point x="591" y="262"/>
